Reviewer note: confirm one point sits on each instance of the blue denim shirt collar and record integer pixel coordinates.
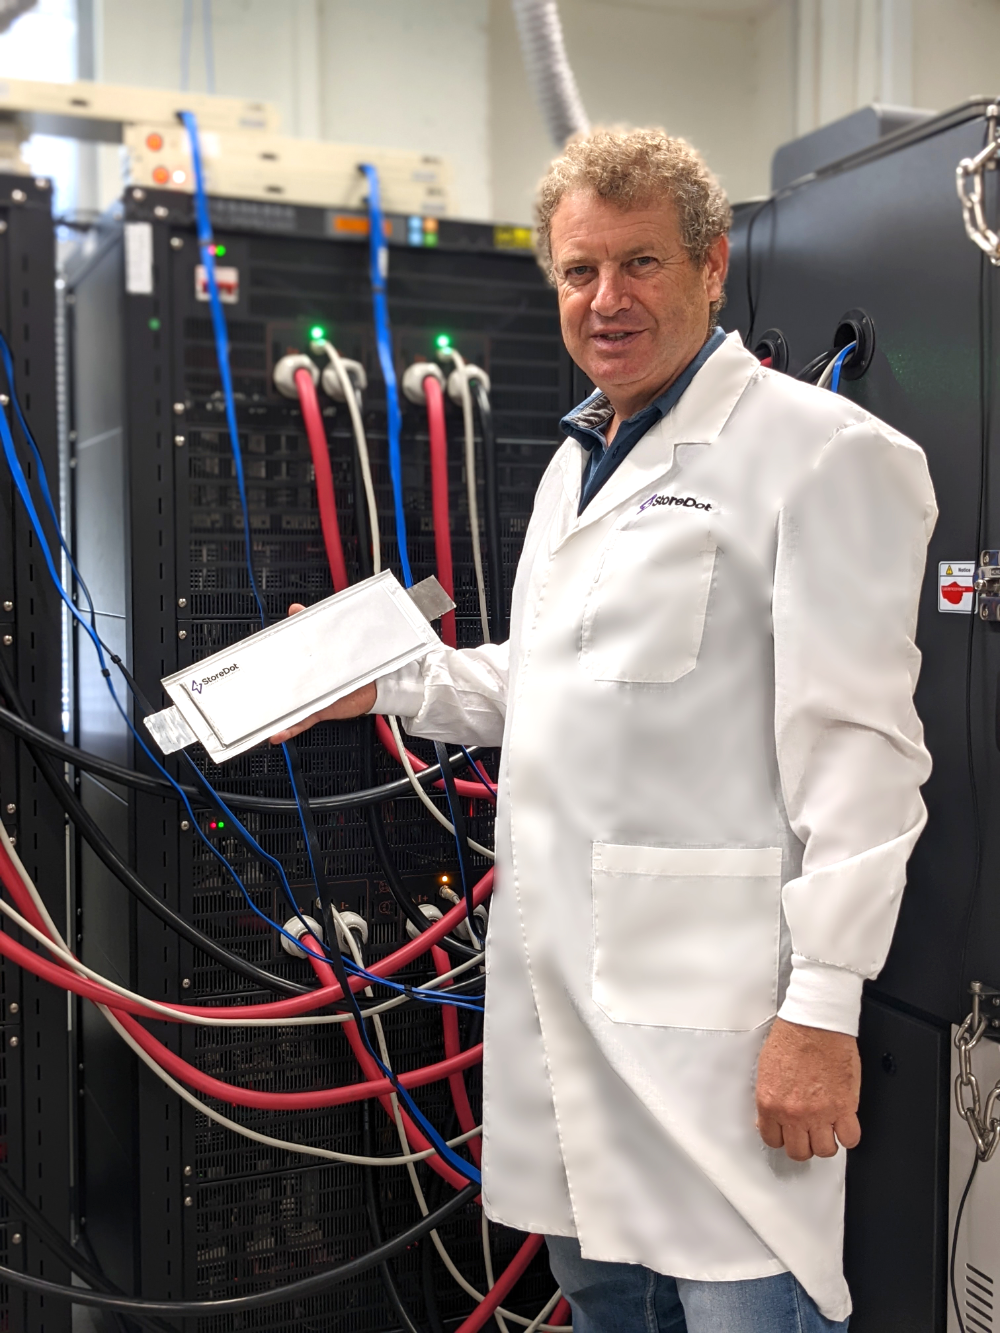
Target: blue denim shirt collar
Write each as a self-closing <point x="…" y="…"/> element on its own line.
<point x="587" y="422"/>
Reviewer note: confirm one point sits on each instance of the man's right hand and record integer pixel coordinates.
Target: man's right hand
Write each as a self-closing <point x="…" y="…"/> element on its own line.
<point x="351" y="705"/>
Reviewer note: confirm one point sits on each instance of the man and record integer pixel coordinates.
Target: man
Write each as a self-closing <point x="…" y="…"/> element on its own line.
<point x="709" y="785"/>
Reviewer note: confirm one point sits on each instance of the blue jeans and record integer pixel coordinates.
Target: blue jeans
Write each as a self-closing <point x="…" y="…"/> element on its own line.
<point x="627" y="1298"/>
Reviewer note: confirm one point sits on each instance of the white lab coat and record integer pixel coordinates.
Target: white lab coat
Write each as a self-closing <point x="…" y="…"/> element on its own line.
<point x="708" y="791"/>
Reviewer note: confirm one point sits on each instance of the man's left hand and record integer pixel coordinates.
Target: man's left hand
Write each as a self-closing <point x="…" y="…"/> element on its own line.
<point x="808" y="1084"/>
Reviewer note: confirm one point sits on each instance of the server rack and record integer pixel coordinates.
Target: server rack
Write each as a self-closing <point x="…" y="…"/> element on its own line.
<point x="882" y="231"/>
<point x="174" y="1205"/>
<point x="35" y="1090"/>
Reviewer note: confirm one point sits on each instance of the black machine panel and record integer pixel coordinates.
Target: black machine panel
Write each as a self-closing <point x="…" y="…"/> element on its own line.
<point x="177" y="1205"/>
<point x="34" y="1038"/>
<point x="881" y="232"/>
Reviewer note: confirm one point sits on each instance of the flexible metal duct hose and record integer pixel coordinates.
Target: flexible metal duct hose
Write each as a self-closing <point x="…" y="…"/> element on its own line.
<point x="548" y="69"/>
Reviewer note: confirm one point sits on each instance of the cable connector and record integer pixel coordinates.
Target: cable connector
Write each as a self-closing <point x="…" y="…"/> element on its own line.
<point x="413" y="380"/>
<point x="285" y="371"/>
<point x="428" y="910"/>
<point x="296" y="928"/>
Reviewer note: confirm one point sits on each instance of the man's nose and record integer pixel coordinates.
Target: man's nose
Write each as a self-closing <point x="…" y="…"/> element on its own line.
<point x="612" y="295"/>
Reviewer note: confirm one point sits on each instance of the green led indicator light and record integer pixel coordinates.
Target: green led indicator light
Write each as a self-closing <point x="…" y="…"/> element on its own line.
<point x="154" y="324"/>
<point x="443" y="341"/>
<point x="317" y="333"/>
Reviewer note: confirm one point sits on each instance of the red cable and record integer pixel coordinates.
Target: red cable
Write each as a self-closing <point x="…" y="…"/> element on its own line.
<point x="476" y="790"/>
<point x="561" y="1314"/>
<point x="290" y="1008"/>
<point x="370" y="1068"/>
<point x="439" y="498"/>
<point x="453" y="1048"/>
<point x="325" y="498"/>
<point x="502" y="1286"/>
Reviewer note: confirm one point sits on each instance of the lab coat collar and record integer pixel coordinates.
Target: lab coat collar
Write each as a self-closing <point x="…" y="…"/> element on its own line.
<point x="698" y="418"/>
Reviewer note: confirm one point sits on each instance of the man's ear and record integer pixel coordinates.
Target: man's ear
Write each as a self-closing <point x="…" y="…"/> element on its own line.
<point x="716" y="268"/>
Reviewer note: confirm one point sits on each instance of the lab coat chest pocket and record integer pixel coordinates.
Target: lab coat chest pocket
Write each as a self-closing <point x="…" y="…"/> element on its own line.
<point x="645" y="613"/>
<point x="687" y="937"/>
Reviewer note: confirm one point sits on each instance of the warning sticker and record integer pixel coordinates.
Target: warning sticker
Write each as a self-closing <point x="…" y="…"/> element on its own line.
<point x="955" y="588"/>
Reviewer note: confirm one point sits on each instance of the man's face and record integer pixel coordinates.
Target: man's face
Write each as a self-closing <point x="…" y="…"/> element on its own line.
<point x="634" y="308"/>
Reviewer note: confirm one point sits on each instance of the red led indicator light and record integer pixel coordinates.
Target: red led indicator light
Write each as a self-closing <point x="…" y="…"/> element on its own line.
<point x="154" y="142"/>
<point x="161" y="175"/>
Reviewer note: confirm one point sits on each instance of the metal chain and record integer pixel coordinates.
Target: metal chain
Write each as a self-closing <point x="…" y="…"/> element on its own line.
<point x="983" y="1122"/>
<point x="970" y="184"/>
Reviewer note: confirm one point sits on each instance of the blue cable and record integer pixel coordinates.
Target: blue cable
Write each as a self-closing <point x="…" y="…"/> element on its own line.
<point x="842" y="356"/>
<point x="43" y="479"/>
<point x="21" y="484"/>
<point x="206" y="246"/>
<point x="378" y="253"/>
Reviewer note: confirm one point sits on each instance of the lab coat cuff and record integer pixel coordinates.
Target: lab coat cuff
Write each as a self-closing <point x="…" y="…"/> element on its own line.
<point x="400" y="693"/>
<point x="820" y="995"/>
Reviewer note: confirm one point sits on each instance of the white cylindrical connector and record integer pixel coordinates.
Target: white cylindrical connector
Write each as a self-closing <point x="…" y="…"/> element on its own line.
<point x="431" y="912"/>
<point x="413" y="380"/>
<point x="284" y="373"/>
<point x="356" y="924"/>
<point x="333" y="385"/>
<point x="470" y="372"/>
<point x="297" y="927"/>
<point x="464" y="931"/>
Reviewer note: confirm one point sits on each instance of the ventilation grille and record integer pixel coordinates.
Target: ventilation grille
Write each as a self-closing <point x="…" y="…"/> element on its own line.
<point x="263" y="1215"/>
<point x="979" y="1300"/>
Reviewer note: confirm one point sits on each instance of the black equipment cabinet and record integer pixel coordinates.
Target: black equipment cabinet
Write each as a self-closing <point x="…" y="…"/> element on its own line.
<point x="177" y="1206"/>
<point x="35" y="1093"/>
<point x="882" y="231"/>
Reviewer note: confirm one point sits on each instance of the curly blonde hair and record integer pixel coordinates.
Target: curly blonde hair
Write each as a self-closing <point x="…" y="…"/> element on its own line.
<point x="630" y="168"/>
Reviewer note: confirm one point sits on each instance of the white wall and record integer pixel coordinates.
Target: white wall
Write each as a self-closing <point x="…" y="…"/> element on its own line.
<point x="721" y="75"/>
<point x="385" y="73"/>
<point x="737" y="77"/>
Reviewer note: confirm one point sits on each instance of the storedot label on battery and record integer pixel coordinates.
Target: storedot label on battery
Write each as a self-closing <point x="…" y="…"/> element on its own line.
<point x="956" y="592"/>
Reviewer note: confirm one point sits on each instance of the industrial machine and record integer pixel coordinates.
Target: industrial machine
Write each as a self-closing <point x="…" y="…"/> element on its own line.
<point x="176" y="1206"/>
<point x="35" y="1034"/>
<point x="871" y="249"/>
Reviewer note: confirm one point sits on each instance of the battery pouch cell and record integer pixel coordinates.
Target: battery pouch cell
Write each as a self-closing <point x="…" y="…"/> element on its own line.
<point x="240" y="696"/>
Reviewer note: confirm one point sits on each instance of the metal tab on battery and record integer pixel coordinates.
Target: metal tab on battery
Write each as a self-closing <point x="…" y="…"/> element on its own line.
<point x="430" y="598"/>
<point x="169" y="730"/>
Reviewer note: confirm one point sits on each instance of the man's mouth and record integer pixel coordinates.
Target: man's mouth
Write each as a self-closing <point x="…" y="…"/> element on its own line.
<point x="615" y="337"/>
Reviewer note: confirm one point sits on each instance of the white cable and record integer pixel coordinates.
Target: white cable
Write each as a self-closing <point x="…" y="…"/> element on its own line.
<point x="470" y="482"/>
<point x="545" y="1311"/>
<point x="351" y="395"/>
<point x="824" y="380"/>
<point x="284" y="1145"/>
<point x="441" y="818"/>
<point x="488" y="1262"/>
<point x="204" y="1020"/>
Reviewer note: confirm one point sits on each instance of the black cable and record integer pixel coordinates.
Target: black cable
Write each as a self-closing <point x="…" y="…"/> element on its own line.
<point x="491" y="496"/>
<point x="461" y="842"/>
<point x="985" y="404"/>
<point x="123" y="872"/>
<point x="406" y="1320"/>
<point x="128" y="777"/>
<point x="299" y="1290"/>
<point x="376" y="831"/>
<point x="751" y="301"/>
<point x="954" y="1242"/>
<point x="810" y="372"/>
<point x="36" y="1221"/>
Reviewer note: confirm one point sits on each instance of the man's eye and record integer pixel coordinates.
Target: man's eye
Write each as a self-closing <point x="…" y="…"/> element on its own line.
<point x="643" y="261"/>
<point x="578" y="271"/>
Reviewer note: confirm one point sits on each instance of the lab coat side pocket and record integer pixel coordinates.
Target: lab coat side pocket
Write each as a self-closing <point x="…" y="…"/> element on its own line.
<point x="687" y="937"/>
<point x="644" y="617"/>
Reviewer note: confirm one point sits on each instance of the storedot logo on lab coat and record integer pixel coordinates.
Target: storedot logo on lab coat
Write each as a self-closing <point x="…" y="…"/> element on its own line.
<point x="680" y="501"/>
<point x="198" y="685"/>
